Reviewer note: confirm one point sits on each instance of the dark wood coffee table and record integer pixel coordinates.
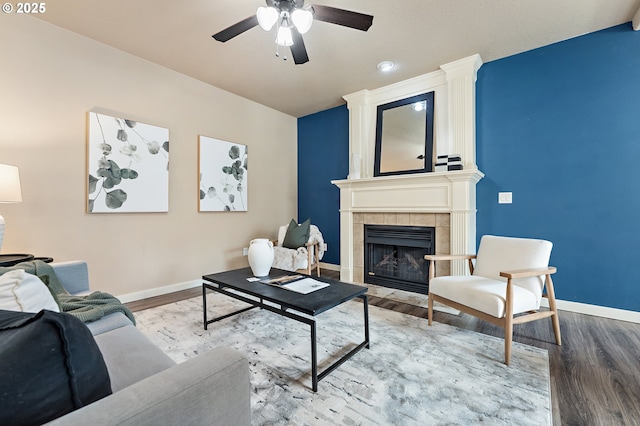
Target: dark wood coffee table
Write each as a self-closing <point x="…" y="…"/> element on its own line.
<point x="288" y="304"/>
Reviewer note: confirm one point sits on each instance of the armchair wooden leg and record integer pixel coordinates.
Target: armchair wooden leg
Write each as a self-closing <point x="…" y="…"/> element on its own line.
<point x="551" y="296"/>
<point x="508" y="323"/>
<point x="508" y="338"/>
<point x="430" y="310"/>
<point x="556" y="328"/>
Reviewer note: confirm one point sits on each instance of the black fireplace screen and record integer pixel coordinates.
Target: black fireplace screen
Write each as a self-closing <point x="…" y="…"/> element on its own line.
<point x="394" y="256"/>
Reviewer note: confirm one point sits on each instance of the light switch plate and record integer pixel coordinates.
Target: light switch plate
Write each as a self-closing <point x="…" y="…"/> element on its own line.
<point x="505" y="198"/>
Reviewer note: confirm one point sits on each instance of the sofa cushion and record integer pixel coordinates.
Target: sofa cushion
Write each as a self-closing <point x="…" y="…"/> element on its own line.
<point x="108" y="323"/>
<point x="51" y="366"/>
<point x="24" y="292"/>
<point x="297" y="234"/>
<point x="130" y="356"/>
<point x="210" y="389"/>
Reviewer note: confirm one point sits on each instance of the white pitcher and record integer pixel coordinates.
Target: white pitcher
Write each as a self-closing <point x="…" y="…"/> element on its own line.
<point x="260" y="256"/>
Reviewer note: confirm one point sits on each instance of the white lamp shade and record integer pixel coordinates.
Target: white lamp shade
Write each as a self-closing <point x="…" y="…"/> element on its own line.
<point x="267" y="17"/>
<point x="302" y="19"/>
<point x="10" y="191"/>
<point x="284" y="37"/>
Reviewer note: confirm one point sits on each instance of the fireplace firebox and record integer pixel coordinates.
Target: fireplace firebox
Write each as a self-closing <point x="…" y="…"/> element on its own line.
<point x="394" y="256"/>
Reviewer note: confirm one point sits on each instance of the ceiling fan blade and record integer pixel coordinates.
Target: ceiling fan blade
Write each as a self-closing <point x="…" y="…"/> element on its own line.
<point x="298" y="51"/>
<point x="346" y="18"/>
<point x="236" y="29"/>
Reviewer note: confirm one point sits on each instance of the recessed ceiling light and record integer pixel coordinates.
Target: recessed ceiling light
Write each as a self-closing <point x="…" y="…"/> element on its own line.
<point x="386" y="66"/>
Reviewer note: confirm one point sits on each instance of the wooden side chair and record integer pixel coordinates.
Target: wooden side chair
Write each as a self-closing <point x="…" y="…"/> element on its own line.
<point x="303" y="259"/>
<point x="505" y="287"/>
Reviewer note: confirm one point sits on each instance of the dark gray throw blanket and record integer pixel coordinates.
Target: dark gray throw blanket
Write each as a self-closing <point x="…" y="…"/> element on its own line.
<point x="92" y="307"/>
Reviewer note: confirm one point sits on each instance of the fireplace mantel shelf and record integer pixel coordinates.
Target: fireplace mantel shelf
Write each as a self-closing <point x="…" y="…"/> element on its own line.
<point x="473" y="176"/>
<point x="437" y="192"/>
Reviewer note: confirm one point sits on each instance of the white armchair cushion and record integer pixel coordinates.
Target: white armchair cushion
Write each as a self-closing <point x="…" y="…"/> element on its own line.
<point x="483" y="294"/>
<point x="501" y="254"/>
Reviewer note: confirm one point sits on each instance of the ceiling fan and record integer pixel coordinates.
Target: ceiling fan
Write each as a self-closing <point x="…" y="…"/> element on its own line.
<point x="293" y="19"/>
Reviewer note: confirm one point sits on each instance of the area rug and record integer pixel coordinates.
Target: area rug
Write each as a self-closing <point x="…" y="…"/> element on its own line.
<point x="407" y="297"/>
<point x="412" y="374"/>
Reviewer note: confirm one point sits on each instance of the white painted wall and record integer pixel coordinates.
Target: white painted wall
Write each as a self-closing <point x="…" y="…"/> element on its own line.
<point x="49" y="79"/>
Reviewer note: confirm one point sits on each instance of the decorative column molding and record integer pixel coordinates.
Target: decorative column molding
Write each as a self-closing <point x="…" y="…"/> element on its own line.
<point x="346" y="232"/>
<point x="359" y="131"/>
<point x="463" y="218"/>
<point x="461" y="83"/>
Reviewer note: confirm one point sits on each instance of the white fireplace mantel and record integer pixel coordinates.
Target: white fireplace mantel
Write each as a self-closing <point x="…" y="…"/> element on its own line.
<point x="437" y="192"/>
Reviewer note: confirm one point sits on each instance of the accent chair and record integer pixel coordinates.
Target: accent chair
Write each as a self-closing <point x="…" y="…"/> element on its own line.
<point x="506" y="285"/>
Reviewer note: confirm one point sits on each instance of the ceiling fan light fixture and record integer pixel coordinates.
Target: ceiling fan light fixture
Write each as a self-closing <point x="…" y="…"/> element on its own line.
<point x="302" y="19"/>
<point x="267" y="17"/>
<point x="284" y="37"/>
<point x="292" y="19"/>
<point x="386" y="66"/>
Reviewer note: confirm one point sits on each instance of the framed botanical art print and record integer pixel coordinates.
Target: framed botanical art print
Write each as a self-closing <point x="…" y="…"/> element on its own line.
<point x="128" y="166"/>
<point x="222" y="170"/>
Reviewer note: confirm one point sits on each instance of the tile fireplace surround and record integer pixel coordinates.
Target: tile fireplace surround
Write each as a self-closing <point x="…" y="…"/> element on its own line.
<point x="445" y="200"/>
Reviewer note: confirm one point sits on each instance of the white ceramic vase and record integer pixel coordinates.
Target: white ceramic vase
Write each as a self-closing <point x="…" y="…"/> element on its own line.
<point x="260" y="256"/>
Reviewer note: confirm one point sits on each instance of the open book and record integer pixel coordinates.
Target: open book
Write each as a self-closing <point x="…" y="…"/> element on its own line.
<point x="297" y="283"/>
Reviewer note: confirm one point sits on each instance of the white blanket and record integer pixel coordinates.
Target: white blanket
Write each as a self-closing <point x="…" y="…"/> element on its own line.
<point x="294" y="259"/>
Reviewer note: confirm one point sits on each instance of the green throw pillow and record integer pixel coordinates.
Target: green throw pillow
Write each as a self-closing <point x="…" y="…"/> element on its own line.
<point x="297" y="235"/>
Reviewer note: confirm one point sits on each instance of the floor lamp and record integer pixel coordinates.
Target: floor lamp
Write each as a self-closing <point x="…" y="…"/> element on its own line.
<point x="10" y="191"/>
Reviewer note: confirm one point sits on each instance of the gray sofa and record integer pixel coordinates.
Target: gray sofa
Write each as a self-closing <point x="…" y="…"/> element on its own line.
<point x="148" y="387"/>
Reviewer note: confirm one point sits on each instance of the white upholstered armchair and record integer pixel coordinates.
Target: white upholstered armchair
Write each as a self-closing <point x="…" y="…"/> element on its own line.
<point x="505" y="287"/>
<point x="302" y="259"/>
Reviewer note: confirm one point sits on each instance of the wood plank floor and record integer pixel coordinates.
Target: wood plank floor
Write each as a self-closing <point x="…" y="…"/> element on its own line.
<point x="595" y="374"/>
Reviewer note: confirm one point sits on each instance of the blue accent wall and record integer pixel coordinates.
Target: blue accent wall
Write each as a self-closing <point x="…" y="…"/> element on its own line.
<point x="323" y="156"/>
<point x="559" y="127"/>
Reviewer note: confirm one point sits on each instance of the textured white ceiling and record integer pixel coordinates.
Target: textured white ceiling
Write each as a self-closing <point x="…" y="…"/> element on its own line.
<point x="418" y="35"/>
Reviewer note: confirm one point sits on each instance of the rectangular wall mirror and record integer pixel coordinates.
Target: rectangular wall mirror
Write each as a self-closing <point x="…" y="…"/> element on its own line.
<point x="404" y="136"/>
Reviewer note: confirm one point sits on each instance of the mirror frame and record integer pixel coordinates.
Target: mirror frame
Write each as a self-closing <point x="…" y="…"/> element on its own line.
<point x="428" y="137"/>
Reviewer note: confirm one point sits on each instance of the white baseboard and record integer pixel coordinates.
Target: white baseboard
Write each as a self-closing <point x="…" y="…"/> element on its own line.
<point x="330" y="266"/>
<point x="158" y="291"/>
<point x="161" y="291"/>
<point x="598" y="311"/>
<point x="563" y="305"/>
